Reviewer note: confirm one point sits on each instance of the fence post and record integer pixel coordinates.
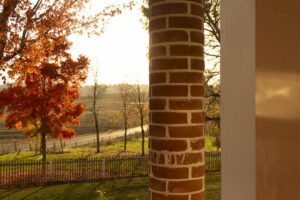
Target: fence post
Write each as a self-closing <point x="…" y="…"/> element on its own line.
<point x="103" y="168"/>
<point x="51" y="169"/>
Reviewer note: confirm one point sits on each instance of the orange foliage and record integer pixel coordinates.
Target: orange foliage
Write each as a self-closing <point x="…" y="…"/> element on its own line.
<point x="41" y="100"/>
<point x="30" y="29"/>
<point x="34" y="54"/>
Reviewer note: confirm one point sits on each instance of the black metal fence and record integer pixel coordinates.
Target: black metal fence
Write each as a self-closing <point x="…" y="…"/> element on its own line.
<point x="212" y="161"/>
<point x="30" y="172"/>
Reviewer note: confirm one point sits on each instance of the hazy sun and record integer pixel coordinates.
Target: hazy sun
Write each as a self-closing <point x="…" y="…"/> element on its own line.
<point x="121" y="52"/>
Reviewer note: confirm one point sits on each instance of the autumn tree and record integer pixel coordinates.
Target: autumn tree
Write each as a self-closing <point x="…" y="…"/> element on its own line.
<point x="33" y="50"/>
<point x="125" y="97"/>
<point x="41" y="101"/>
<point x="212" y="75"/>
<point x="34" y="58"/>
<point x="26" y="25"/>
<point x="140" y="99"/>
<point x="97" y="92"/>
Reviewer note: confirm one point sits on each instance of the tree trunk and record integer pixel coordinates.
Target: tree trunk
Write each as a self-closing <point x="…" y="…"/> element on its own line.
<point x="61" y="145"/>
<point x="43" y="152"/>
<point x="95" y="95"/>
<point x="143" y="133"/>
<point x="97" y="132"/>
<point x="43" y="147"/>
<point x="125" y="138"/>
<point x="143" y="141"/>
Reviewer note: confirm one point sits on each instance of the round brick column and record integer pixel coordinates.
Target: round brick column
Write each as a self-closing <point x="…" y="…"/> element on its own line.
<point x="176" y="100"/>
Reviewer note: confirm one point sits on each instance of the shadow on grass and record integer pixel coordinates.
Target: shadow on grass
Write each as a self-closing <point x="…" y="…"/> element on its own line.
<point x="124" y="189"/>
<point x="213" y="186"/>
<point x="9" y="194"/>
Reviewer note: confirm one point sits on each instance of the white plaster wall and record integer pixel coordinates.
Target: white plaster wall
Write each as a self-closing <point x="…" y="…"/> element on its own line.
<point x="238" y="99"/>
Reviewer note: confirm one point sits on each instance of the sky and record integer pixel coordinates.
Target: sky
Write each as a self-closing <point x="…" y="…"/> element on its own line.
<point x="120" y="53"/>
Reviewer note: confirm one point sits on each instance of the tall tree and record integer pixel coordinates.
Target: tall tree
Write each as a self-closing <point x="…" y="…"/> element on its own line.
<point x="124" y="90"/>
<point x="140" y="97"/>
<point x="43" y="103"/>
<point x="25" y="25"/>
<point x="34" y="52"/>
<point x="212" y="75"/>
<point x="97" y="91"/>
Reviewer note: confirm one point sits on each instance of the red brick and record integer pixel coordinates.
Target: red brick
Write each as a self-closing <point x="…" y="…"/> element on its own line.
<point x="156" y="158"/>
<point x="170" y="91"/>
<point x="197" y="10"/>
<point x="198" y="117"/>
<point x="157" y="78"/>
<point x="169" y="36"/>
<point x="157" y="104"/>
<point x="157" y="185"/>
<point x="169" y="8"/>
<point x="197" y="91"/>
<point x="157" y="51"/>
<point x="185" y="186"/>
<point x="168" y="145"/>
<point x="151" y="2"/>
<point x="170" y="173"/>
<point x="157" y="196"/>
<point x="192" y="158"/>
<point x="194" y="104"/>
<point x="198" y="171"/>
<point x="186" y="22"/>
<point x="157" y="24"/>
<point x="186" y="132"/>
<point x="186" y="77"/>
<point x="198" y="196"/>
<point x="169" y="118"/>
<point x="197" y="64"/>
<point x="169" y="64"/>
<point x="197" y="1"/>
<point x="172" y="159"/>
<point x="197" y="144"/>
<point x="157" y="131"/>
<point x="197" y="36"/>
<point x="186" y="50"/>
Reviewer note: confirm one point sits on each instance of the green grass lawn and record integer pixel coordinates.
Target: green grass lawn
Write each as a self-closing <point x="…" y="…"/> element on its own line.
<point x="114" y="190"/>
<point x="213" y="186"/>
<point x="133" y="146"/>
<point x="124" y="189"/>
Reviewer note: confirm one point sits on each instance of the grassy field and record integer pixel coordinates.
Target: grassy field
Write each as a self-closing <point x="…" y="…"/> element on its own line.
<point x="133" y="146"/>
<point x="109" y="115"/>
<point x="135" y="189"/>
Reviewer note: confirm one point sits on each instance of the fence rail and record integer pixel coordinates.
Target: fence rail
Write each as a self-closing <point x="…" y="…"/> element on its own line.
<point x="212" y="161"/>
<point x="30" y="172"/>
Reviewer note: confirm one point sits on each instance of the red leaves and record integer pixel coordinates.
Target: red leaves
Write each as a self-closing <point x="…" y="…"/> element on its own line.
<point x="79" y="108"/>
<point x="49" y="70"/>
<point x="42" y="99"/>
<point x="66" y="133"/>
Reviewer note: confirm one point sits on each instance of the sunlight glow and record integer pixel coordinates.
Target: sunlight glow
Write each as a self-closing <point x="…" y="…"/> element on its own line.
<point x="121" y="52"/>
